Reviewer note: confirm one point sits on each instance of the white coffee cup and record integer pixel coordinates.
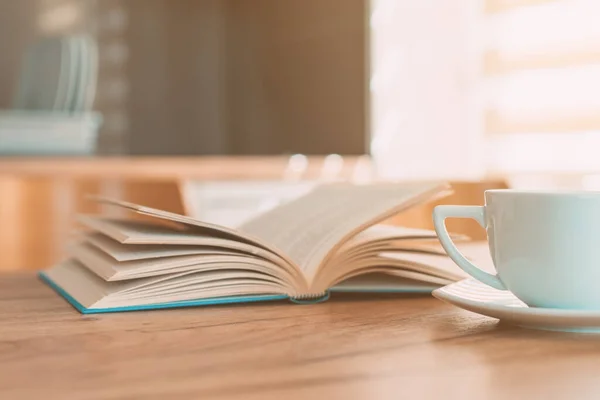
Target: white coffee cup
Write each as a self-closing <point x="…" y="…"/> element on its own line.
<point x="545" y="245"/>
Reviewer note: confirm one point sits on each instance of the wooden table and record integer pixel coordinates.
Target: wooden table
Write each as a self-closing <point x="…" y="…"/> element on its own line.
<point x="348" y="348"/>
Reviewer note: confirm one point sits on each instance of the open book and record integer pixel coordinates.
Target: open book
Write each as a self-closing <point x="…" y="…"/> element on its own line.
<point x="325" y="241"/>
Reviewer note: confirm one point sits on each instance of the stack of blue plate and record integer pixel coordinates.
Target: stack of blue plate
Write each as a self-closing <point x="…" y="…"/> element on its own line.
<point x="52" y="112"/>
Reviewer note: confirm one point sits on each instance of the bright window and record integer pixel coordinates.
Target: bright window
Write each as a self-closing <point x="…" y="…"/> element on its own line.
<point x="468" y="88"/>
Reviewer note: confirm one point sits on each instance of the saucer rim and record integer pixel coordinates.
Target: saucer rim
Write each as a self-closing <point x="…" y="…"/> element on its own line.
<point x="523" y="315"/>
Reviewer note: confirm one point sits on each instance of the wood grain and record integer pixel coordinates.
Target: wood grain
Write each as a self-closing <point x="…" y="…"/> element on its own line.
<point x="351" y="347"/>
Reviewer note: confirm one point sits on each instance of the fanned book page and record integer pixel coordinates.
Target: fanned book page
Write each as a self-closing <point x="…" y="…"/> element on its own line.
<point x="310" y="228"/>
<point x="331" y="239"/>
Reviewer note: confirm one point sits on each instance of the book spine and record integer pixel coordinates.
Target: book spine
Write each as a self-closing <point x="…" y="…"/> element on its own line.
<point x="310" y="298"/>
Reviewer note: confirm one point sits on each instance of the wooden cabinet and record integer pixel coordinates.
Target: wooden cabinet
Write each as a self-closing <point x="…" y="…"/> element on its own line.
<point x="236" y="77"/>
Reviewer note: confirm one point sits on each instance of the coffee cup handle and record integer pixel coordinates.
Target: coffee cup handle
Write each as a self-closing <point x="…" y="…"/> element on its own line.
<point x="440" y="213"/>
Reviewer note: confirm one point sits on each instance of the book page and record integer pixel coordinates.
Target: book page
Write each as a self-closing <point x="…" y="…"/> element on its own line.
<point x="91" y="291"/>
<point x="311" y="228"/>
<point x="207" y="228"/>
<point x="378" y="238"/>
<point x="397" y="235"/>
<point x="402" y="281"/>
<point x="129" y="252"/>
<point x="142" y="233"/>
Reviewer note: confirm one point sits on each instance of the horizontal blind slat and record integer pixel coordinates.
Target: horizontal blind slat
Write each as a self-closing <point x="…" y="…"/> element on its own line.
<point x="494" y="64"/>
<point x="584" y="122"/>
<point x="497" y="6"/>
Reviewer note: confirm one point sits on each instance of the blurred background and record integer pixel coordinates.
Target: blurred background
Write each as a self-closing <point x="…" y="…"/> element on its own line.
<point x="220" y="108"/>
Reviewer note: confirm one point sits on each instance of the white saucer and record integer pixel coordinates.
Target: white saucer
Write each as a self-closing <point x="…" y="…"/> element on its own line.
<point x="474" y="296"/>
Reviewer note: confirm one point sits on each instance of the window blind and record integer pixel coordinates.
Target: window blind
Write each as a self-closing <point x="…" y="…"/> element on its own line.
<point x="541" y="66"/>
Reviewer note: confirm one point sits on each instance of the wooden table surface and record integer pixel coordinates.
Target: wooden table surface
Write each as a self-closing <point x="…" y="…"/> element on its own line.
<point x="348" y="348"/>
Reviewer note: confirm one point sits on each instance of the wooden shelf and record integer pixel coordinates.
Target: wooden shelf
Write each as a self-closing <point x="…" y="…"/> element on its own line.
<point x="169" y="168"/>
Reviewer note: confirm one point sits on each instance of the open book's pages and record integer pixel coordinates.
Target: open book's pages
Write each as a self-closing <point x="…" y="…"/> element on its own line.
<point x="328" y="240"/>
